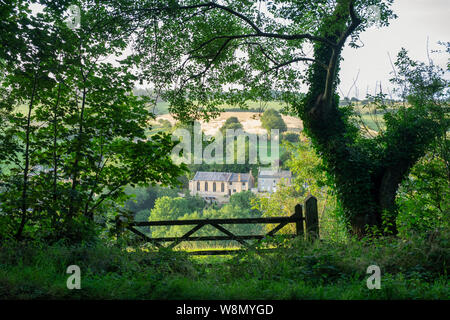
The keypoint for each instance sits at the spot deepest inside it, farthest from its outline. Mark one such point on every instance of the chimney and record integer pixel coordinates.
(239, 177)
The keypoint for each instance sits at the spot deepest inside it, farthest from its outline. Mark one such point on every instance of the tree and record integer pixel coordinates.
(81, 139)
(202, 47)
(291, 137)
(244, 200)
(174, 209)
(144, 198)
(232, 123)
(271, 119)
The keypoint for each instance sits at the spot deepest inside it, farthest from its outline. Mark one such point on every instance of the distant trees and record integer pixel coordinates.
(167, 208)
(145, 198)
(271, 119)
(232, 123)
(240, 206)
(291, 137)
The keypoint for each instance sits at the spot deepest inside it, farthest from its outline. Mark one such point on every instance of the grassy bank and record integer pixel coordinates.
(413, 269)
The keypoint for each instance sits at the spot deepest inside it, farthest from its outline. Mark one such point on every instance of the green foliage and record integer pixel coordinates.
(310, 178)
(188, 207)
(203, 57)
(243, 200)
(414, 269)
(424, 197)
(173, 209)
(271, 119)
(80, 137)
(203, 54)
(144, 198)
(280, 203)
(232, 123)
(43, 270)
(291, 137)
(365, 170)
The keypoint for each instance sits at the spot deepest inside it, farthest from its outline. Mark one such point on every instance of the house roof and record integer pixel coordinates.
(274, 174)
(244, 177)
(221, 176)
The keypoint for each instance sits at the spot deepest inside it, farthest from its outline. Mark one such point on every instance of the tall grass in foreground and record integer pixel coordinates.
(411, 269)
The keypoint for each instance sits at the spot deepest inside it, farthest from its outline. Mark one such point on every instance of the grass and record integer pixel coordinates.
(163, 107)
(373, 122)
(412, 269)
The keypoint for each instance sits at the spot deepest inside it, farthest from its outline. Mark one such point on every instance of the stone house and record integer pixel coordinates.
(219, 186)
(269, 179)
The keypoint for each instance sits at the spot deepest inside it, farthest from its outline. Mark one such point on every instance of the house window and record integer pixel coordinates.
(206, 186)
(198, 186)
(214, 187)
(222, 187)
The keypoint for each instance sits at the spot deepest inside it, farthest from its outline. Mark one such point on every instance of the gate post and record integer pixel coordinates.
(299, 220)
(311, 218)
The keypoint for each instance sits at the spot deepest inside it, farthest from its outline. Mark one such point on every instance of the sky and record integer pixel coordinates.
(417, 20)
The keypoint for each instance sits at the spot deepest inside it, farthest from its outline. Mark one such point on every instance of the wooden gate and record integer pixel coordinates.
(310, 219)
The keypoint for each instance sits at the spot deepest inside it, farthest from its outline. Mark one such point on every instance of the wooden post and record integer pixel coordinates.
(311, 218)
(299, 217)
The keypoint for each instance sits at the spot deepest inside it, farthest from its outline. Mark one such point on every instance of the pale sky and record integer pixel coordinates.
(417, 20)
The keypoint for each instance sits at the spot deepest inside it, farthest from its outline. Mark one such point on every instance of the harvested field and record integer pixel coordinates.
(250, 121)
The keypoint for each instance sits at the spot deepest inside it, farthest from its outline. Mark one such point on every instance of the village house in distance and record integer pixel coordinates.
(219, 186)
(269, 179)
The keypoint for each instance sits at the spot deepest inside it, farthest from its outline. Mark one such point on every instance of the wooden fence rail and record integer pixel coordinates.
(310, 219)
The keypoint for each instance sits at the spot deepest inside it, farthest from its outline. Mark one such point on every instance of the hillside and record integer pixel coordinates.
(249, 120)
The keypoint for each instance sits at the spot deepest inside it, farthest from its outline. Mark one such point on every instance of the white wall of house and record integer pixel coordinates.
(218, 188)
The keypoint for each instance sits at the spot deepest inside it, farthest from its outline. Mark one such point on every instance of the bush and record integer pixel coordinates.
(291, 137)
(424, 197)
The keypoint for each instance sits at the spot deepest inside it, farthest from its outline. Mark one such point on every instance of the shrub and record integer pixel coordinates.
(291, 137)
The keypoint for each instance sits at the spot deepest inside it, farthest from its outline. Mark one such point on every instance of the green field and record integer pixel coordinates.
(163, 107)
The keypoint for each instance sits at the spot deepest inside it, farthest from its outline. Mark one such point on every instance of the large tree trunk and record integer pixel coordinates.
(364, 190)
(386, 191)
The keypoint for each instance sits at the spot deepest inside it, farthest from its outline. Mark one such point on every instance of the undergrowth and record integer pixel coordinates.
(410, 269)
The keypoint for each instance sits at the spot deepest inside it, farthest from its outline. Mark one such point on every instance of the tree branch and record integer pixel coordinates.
(355, 22)
(286, 63)
(258, 31)
(324, 100)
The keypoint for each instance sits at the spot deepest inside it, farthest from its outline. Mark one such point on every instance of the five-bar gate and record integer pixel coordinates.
(310, 220)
